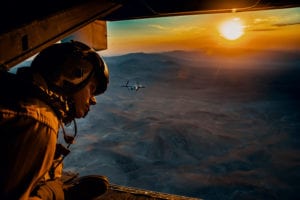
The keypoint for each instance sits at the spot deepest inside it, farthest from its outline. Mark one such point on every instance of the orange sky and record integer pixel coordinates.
(271, 29)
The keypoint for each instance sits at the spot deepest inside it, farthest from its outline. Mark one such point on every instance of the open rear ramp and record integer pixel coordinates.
(117, 192)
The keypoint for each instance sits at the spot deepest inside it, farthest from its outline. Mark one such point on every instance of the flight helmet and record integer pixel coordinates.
(68, 67)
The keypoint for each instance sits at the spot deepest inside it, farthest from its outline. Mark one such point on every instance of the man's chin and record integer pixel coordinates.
(80, 115)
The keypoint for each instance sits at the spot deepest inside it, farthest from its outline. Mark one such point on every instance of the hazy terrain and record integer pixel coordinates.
(204, 126)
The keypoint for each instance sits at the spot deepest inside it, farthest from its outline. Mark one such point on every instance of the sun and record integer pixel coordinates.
(232, 29)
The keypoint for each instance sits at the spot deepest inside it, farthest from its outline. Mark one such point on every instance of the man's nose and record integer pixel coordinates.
(93, 101)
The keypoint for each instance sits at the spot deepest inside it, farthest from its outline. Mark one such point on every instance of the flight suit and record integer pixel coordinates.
(28, 129)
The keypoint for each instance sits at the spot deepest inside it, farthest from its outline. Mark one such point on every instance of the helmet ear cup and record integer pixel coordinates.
(78, 73)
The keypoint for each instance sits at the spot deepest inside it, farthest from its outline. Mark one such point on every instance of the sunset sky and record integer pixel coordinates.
(257, 30)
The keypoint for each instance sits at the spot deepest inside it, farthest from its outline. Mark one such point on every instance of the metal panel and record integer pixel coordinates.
(21, 43)
(94, 34)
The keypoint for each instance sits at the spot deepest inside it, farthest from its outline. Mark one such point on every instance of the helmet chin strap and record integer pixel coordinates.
(61, 150)
(68, 138)
(70, 114)
(63, 106)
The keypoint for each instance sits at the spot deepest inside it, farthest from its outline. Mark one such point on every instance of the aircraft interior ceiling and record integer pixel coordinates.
(29, 26)
(22, 12)
(155, 8)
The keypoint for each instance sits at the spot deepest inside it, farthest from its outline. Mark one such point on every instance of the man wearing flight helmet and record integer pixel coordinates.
(59, 86)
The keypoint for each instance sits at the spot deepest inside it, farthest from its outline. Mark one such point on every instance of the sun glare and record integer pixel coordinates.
(232, 29)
